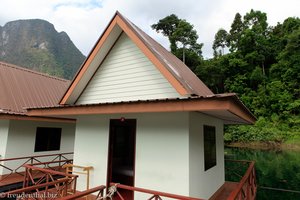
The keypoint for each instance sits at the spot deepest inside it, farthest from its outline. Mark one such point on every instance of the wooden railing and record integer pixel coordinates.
(50, 184)
(53, 161)
(247, 186)
(78, 195)
(243, 171)
(37, 191)
(155, 195)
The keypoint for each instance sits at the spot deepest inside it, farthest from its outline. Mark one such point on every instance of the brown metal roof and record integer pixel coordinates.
(21, 88)
(179, 70)
(223, 106)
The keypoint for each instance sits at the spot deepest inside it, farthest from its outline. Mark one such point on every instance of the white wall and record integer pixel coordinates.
(169, 152)
(21, 139)
(126, 74)
(4, 128)
(203, 184)
(162, 153)
(91, 148)
(161, 150)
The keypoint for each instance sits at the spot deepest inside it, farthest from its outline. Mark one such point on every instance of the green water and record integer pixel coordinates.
(274, 169)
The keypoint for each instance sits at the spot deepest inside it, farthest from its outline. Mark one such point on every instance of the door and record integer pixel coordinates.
(121, 160)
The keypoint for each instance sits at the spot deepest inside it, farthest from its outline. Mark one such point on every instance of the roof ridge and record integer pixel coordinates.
(32, 71)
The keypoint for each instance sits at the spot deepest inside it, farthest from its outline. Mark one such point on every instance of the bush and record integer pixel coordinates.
(264, 130)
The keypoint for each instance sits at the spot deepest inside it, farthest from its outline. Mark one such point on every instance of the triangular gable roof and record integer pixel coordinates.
(21, 88)
(176, 72)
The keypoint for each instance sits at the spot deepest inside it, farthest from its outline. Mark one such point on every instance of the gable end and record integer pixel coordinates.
(126, 74)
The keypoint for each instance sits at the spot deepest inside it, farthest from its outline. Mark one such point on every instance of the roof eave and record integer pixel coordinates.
(209, 104)
(24, 117)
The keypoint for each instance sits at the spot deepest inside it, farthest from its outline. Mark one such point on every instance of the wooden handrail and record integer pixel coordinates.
(51, 162)
(57, 158)
(84, 193)
(241, 161)
(248, 177)
(153, 192)
(37, 156)
(31, 188)
(47, 180)
(49, 171)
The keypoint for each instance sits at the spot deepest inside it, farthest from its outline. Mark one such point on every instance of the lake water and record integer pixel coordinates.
(278, 172)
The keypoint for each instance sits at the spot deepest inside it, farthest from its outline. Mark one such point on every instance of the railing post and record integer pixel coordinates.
(65, 192)
(75, 184)
(60, 160)
(47, 181)
(25, 177)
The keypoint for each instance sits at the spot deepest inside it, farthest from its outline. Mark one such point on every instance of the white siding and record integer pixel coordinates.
(203, 184)
(4, 128)
(126, 74)
(21, 139)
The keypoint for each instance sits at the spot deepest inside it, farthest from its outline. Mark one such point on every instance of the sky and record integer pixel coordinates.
(85, 20)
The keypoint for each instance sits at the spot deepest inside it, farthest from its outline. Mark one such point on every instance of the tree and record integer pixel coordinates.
(221, 41)
(183, 39)
(167, 26)
(287, 69)
(262, 67)
(235, 32)
(186, 37)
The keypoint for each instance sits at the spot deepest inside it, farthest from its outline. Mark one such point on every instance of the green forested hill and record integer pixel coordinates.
(263, 68)
(36, 44)
(261, 64)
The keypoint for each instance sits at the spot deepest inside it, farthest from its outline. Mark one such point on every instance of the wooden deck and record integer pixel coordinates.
(221, 194)
(229, 190)
(224, 191)
(11, 179)
(15, 180)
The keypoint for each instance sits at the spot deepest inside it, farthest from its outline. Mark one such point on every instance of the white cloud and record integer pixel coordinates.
(84, 20)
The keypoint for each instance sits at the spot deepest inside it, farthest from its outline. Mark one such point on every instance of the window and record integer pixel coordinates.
(209, 147)
(47, 139)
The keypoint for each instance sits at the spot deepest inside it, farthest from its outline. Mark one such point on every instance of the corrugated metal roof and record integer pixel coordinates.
(227, 107)
(179, 70)
(214, 96)
(21, 88)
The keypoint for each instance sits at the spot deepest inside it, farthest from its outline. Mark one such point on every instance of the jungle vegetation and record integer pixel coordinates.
(258, 62)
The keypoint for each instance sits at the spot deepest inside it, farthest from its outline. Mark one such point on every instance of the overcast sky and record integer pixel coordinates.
(84, 20)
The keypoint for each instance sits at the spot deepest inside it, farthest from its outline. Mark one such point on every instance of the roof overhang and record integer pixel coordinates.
(226, 107)
(24, 117)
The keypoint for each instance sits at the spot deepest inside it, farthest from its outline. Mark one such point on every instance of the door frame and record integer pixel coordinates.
(114, 122)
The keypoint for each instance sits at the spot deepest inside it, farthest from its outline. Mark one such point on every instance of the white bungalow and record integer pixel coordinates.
(22, 135)
(144, 119)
